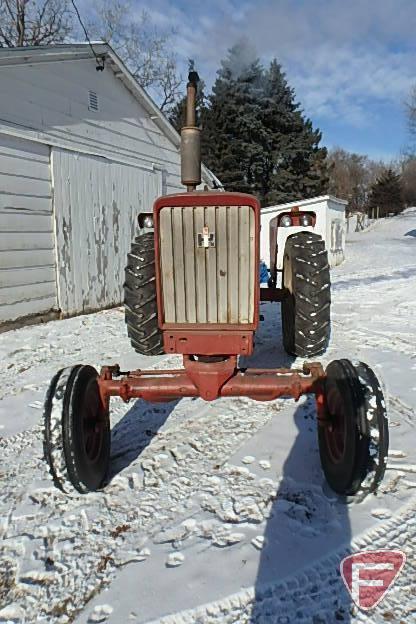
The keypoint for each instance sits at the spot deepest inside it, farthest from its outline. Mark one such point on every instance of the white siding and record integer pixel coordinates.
(108, 165)
(27, 257)
(330, 225)
(50, 102)
(96, 206)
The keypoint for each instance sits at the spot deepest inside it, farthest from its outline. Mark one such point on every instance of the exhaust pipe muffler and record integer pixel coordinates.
(191, 138)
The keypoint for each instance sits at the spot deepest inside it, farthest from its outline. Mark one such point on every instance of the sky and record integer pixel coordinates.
(352, 63)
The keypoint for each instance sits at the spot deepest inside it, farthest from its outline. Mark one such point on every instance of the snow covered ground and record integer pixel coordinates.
(215, 512)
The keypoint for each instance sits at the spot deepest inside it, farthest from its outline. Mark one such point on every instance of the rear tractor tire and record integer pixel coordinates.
(76, 440)
(140, 302)
(306, 304)
(354, 437)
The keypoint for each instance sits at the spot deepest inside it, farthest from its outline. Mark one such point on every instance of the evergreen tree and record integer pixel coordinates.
(232, 142)
(295, 165)
(255, 136)
(386, 194)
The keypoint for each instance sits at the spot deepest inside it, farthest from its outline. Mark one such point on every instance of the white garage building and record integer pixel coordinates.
(330, 224)
(82, 152)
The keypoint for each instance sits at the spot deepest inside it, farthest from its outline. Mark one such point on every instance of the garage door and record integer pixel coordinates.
(27, 257)
(96, 204)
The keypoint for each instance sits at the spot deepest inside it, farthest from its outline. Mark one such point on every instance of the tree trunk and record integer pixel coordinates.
(20, 21)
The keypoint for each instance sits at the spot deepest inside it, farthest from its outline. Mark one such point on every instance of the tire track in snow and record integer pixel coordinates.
(316, 594)
(58, 552)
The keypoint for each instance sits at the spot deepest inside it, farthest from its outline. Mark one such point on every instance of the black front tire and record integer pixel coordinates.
(354, 441)
(306, 305)
(76, 431)
(140, 302)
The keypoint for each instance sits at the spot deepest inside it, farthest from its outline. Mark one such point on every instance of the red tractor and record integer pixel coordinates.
(192, 287)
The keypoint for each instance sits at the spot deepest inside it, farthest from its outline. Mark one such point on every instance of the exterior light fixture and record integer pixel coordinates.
(286, 221)
(305, 220)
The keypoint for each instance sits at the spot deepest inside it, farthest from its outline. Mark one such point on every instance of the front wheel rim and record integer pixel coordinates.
(93, 422)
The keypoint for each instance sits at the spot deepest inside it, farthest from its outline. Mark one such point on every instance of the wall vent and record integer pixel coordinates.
(92, 101)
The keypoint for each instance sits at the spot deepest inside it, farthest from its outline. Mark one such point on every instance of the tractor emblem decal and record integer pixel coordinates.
(207, 238)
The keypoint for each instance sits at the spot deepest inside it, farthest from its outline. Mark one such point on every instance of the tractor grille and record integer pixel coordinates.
(207, 264)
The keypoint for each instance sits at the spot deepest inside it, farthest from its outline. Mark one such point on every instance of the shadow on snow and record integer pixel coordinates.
(135, 431)
(360, 281)
(307, 521)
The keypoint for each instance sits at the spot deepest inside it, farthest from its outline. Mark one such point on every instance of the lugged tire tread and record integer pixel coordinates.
(306, 334)
(140, 297)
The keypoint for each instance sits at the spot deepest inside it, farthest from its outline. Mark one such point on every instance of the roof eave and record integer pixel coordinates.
(84, 51)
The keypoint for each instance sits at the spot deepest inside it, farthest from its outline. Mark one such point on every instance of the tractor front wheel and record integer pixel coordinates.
(307, 300)
(76, 431)
(140, 297)
(353, 436)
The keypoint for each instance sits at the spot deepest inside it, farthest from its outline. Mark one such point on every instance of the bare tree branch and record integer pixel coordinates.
(411, 113)
(351, 176)
(34, 22)
(145, 49)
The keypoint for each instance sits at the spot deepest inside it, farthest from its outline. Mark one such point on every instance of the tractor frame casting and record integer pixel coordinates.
(210, 379)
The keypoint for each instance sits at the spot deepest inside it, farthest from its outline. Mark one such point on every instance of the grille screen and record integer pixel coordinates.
(207, 264)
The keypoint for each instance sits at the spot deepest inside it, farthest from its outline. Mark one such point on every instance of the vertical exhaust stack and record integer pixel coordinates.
(191, 138)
